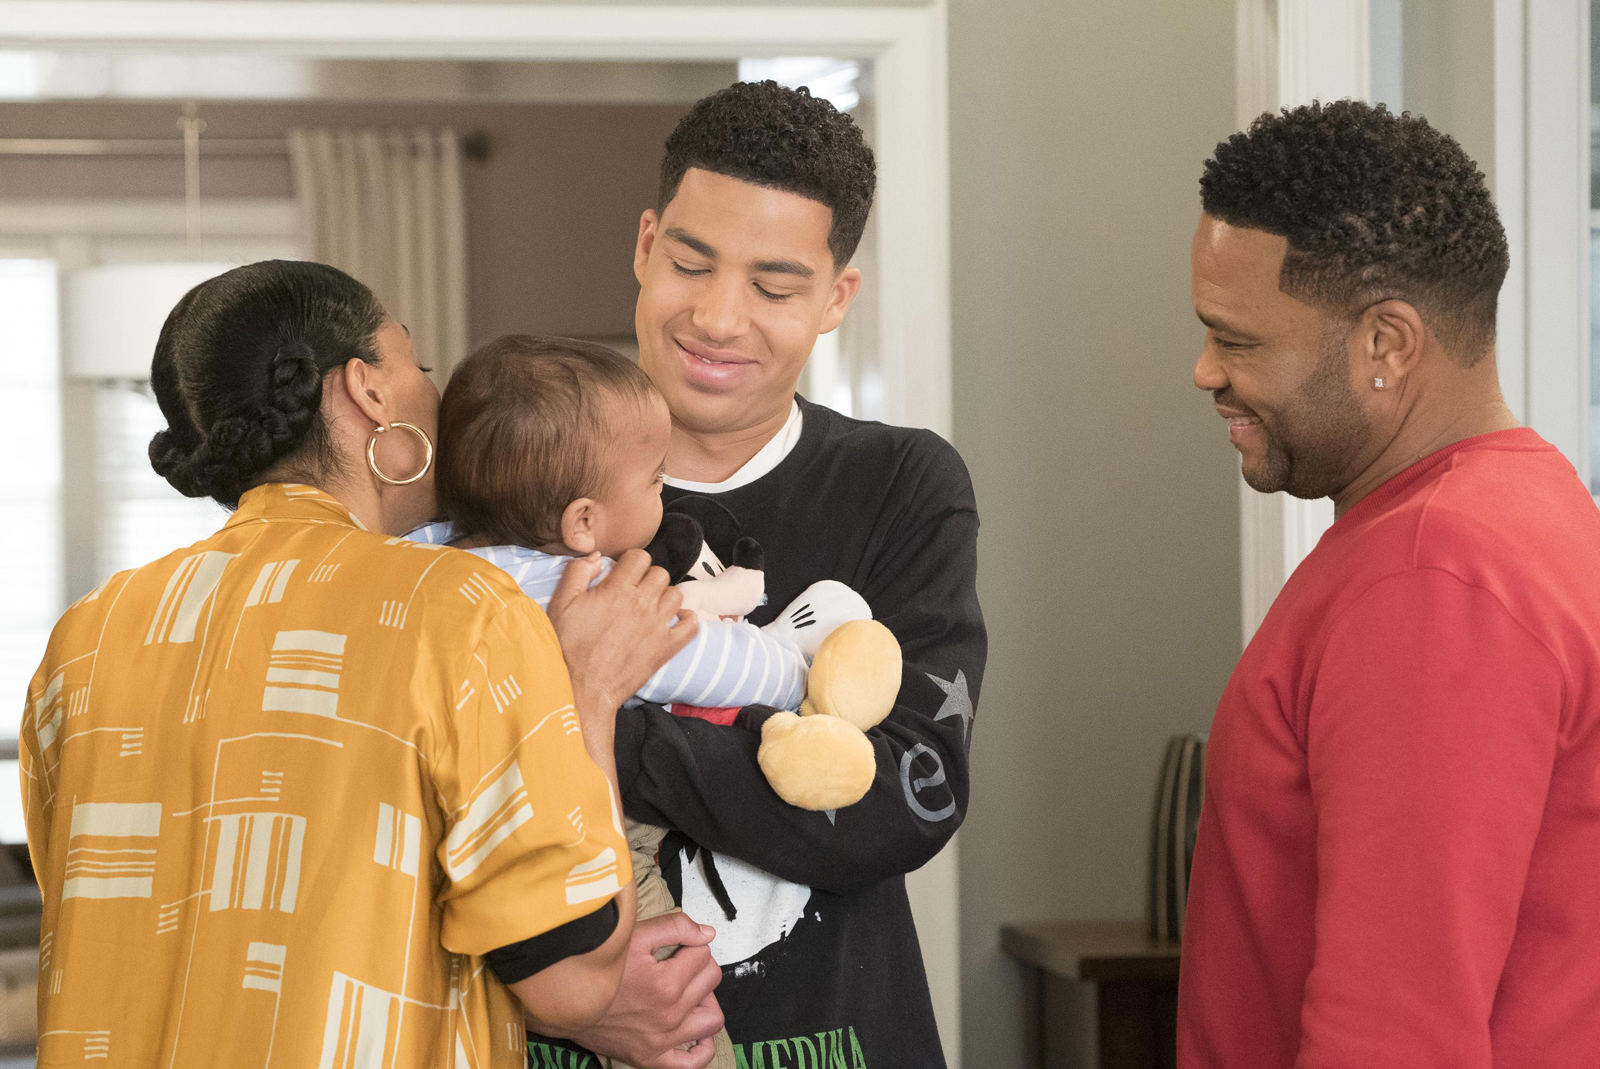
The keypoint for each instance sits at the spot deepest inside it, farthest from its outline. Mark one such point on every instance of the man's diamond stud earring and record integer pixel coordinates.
(1377, 384)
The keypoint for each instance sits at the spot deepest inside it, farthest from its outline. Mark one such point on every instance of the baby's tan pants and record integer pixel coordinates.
(655, 900)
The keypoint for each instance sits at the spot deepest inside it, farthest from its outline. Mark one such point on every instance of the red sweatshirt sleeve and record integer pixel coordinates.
(1430, 736)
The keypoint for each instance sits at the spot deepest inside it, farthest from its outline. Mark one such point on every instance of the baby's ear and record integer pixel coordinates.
(676, 545)
(747, 554)
(577, 526)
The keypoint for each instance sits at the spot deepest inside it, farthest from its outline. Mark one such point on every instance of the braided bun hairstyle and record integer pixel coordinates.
(238, 373)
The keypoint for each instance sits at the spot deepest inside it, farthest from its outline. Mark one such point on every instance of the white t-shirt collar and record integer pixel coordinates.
(767, 458)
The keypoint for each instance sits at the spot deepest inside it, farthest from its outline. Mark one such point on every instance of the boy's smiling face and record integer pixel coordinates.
(736, 282)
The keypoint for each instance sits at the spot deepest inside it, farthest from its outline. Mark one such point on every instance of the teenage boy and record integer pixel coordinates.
(743, 263)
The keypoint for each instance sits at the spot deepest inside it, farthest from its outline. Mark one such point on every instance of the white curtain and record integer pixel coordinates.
(386, 206)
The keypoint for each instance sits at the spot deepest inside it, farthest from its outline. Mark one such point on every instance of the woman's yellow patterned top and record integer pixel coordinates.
(285, 785)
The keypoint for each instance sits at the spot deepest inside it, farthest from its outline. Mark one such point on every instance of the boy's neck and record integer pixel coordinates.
(714, 456)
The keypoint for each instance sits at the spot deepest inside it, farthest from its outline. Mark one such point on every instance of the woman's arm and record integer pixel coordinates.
(574, 992)
(522, 762)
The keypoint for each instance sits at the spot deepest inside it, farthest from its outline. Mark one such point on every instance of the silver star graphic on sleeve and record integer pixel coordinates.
(957, 701)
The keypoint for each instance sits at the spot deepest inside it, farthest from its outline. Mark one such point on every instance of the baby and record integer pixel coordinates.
(551, 449)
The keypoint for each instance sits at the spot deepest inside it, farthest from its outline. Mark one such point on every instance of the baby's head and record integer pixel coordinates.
(554, 444)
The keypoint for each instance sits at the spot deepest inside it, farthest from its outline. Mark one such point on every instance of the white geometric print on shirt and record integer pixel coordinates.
(399, 842)
(392, 614)
(490, 819)
(595, 878)
(303, 673)
(476, 588)
(361, 1025)
(399, 540)
(47, 711)
(132, 742)
(196, 708)
(268, 588)
(263, 967)
(257, 861)
(111, 850)
(505, 692)
(187, 592)
(65, 1046)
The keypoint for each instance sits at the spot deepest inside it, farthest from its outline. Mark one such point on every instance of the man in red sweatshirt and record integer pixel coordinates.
(1398, 862)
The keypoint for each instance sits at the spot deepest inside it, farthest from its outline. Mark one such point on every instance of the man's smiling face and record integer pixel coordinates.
(1279, 370)
(736, 282)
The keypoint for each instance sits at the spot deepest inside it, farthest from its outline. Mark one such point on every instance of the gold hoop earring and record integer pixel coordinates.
(372, 458)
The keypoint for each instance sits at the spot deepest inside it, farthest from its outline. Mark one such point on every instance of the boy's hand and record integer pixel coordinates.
(615, 636)
(661, 1005)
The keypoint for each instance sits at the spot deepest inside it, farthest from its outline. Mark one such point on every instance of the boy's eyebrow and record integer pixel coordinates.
(778, 267)
(783, 267)
(683, 237)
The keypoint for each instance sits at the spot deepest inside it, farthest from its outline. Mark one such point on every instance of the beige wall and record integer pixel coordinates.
(1109, 556)
(1448, 71)
(551, 215)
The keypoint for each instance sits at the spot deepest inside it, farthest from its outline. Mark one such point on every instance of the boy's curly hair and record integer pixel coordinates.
(1374, 206)
(770, 135)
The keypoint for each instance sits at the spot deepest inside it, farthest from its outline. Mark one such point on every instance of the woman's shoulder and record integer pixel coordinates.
(441, 573)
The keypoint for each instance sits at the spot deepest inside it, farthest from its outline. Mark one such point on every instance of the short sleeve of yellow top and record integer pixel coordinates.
(284, 786)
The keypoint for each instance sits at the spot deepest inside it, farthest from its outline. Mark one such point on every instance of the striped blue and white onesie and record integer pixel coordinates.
(728, 664)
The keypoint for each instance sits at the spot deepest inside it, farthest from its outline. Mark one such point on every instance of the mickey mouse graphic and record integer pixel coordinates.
(818, 758)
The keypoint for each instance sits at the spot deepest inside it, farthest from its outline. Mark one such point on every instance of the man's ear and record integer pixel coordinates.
(844, 291)
(578, 522)
(645, 242)
(1391, 336)
(365, 391)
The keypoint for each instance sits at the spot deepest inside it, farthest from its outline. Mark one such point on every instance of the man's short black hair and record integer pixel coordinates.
(1374, 206)
(770, 135)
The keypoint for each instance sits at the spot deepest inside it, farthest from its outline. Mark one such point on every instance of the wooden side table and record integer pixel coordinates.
(1104, 976)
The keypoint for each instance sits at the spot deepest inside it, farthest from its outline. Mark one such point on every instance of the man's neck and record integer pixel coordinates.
(1424, 433)
(713, 456)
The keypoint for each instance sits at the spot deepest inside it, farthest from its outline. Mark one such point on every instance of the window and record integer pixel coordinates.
(30, 493)
(77, 495)
(141, 518)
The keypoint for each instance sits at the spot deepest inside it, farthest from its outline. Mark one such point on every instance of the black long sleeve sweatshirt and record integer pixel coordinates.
(821, 964)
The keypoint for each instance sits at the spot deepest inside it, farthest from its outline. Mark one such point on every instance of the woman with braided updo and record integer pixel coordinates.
(291, 788)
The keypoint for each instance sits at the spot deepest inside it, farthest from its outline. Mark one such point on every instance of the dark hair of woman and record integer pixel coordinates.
(238, 373)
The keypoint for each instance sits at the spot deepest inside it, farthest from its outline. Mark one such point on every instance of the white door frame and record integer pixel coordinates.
(1290, 52)
(1541, 168)
(1540, 171)
(905, 43)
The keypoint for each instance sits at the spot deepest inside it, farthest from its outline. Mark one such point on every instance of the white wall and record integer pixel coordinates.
(1109, 560)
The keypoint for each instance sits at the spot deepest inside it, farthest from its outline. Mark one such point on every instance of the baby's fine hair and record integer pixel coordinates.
(522, 429)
